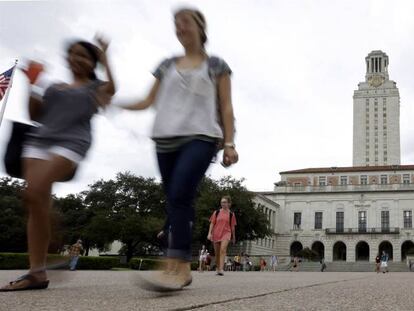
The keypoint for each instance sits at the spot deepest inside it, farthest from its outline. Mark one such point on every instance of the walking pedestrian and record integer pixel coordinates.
(222, 231)
(323, 265)
(377, 263)
(384, 262)
(262, 264)
(208, 261)
(295, 266)
(237, 262)
(273, 262)
(52, 151)
(249, 264)
(74, 253)
(202, 256)
(194, 116)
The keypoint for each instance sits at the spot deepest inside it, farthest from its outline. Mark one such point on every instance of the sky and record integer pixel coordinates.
(295, 66)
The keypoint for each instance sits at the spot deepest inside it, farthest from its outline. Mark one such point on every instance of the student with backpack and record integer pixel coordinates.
(222, 231)
(194, 118)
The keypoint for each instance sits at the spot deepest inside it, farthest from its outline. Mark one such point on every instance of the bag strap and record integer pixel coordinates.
(230, 218)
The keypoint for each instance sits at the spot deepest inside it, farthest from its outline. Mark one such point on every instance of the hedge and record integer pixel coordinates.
(11, 261)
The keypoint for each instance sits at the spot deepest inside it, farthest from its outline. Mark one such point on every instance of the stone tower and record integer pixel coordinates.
(376, 139)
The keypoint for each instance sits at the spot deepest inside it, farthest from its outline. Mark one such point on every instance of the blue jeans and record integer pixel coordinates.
(73, 262)
(181, 172)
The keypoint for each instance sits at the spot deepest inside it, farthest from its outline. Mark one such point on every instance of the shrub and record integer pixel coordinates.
(11, 261)
(194, 265)
(143, 263)
(97, 263)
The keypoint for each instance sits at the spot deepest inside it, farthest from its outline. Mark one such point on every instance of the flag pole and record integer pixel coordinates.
(3, 108)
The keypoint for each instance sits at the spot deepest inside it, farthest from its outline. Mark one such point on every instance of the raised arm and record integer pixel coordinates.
(107, 89)
(33, 71)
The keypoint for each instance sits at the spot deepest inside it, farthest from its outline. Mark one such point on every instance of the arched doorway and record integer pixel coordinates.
(387, 247)
(407, 248)
(362, 251)
(295, 248)
(339, 251)
(319, 248)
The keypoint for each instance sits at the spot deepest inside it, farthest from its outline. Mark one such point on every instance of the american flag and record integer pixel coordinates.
(5, 81)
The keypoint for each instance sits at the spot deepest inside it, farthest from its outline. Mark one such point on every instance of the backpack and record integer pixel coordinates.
(231, 216)
(213, 63)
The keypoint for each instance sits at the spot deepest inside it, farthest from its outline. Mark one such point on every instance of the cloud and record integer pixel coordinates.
(295, 63)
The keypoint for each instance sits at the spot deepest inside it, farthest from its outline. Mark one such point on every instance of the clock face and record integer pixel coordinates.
(376, 80)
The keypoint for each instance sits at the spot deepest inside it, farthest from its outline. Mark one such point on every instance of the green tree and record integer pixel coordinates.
(251, 222)
(74, 220)
(133, 208)
(12, 216)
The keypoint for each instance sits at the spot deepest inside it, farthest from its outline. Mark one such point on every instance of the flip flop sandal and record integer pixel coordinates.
(32, 284)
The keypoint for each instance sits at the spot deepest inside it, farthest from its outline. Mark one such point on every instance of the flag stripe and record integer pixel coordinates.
(5, 81)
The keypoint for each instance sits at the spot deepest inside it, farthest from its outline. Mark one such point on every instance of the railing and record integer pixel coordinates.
(344, 188)
(362, 230)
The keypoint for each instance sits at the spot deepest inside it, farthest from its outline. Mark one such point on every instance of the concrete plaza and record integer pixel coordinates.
(118, 290)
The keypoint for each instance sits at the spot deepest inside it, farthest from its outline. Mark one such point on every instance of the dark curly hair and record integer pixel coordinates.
(93, 51)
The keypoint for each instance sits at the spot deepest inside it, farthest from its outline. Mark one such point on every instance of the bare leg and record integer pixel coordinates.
(217, 253)
(40, 176)
(223, 252)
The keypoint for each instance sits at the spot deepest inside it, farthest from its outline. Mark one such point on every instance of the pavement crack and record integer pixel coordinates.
(202, 305)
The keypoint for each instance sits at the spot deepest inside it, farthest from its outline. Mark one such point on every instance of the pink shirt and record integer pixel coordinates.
(221, 229)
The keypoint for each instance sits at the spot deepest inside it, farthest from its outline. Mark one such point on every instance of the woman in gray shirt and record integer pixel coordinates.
(53, 150)
(194, 115)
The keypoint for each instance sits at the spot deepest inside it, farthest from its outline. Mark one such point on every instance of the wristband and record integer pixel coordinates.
(230, 145)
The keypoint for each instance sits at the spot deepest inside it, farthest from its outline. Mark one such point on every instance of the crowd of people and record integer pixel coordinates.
(239, 262)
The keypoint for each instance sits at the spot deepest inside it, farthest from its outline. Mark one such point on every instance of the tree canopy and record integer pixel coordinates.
(128, 208)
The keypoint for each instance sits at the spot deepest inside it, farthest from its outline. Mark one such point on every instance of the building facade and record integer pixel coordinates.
(345, 213)
(351, 213)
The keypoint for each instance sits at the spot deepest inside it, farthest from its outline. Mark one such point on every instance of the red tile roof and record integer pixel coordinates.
(350, 169)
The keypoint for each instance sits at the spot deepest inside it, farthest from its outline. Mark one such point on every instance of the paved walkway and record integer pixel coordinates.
(111, 290)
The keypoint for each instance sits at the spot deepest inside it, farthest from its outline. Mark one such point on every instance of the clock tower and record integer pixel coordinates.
(376, 139)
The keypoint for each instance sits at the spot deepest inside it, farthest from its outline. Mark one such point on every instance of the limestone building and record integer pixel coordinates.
(350, 213)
